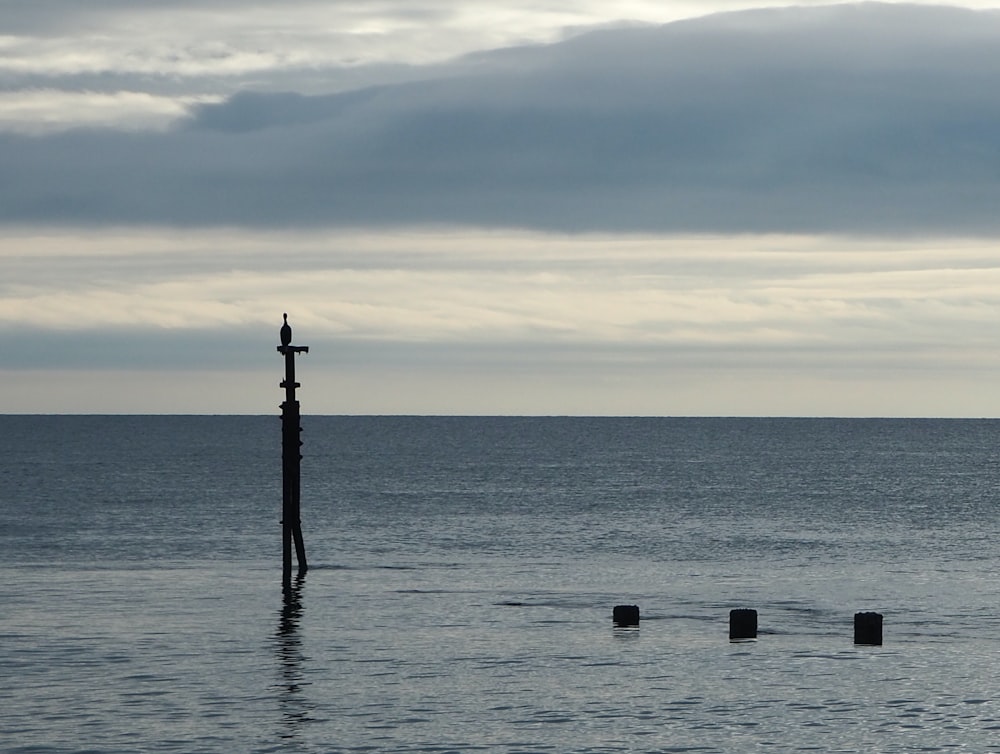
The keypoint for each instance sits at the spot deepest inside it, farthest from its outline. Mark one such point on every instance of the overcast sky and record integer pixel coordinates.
(667, 208)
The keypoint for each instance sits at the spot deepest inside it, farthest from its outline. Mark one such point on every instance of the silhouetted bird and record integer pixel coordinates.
(286, 332)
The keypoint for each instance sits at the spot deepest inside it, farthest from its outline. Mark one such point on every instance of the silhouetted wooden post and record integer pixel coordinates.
(291, 524)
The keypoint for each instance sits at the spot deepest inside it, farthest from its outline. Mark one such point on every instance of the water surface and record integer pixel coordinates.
(463, 575)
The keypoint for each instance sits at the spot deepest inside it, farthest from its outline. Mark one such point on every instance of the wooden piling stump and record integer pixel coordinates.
(626, 615)
(868, 629)
(742, 624)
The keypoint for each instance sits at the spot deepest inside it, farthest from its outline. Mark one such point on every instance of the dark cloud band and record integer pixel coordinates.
(872, 118)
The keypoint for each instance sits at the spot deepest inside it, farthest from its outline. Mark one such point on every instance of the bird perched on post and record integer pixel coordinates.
(286, 332)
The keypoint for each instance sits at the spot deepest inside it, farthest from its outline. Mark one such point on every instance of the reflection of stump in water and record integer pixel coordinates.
(294, 707)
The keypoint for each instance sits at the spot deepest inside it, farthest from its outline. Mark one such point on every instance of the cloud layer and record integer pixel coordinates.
(588, 309)
(871, 118)
(785, 211)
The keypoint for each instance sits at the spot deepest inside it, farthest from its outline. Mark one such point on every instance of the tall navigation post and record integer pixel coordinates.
(291, 524)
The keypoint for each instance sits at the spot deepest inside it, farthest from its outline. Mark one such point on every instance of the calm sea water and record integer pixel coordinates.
(463, 573)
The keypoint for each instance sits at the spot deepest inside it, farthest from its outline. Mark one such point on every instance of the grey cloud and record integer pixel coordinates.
(867, 118)
(154, 349)
(57, 17)
(252, 111)
(157, 349)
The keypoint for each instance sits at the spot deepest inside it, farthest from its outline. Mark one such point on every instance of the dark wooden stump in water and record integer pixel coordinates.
(742, 624)
(626, 615)
(868, 629)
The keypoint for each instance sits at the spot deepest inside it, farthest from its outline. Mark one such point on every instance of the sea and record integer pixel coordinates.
(462, 577)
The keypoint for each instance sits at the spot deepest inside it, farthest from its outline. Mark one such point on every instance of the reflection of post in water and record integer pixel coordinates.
(294, 707)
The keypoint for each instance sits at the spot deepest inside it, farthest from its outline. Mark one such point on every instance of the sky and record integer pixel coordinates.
(713, 208)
